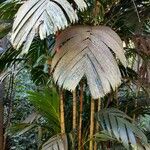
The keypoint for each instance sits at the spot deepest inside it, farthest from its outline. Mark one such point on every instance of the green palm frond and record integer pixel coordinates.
(104, 136)
(38, 60)
(39, 76)
(47, 104)
(28, 124)
(5, 27)
(9, 57)
(21, 128)
(119, 125)
(8, 5)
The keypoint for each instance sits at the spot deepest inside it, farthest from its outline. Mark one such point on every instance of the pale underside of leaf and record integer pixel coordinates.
(118, 126)
(26, 129)
(85, 51)
(57, 142)
(81, 4)
(41, 17)
(31, 118)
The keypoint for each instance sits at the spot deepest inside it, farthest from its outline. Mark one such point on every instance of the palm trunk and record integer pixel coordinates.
(80, 118)
(39, 137)
(97, 125)
(74, 110)
(62, 114)
(1, 117)
(92, 124)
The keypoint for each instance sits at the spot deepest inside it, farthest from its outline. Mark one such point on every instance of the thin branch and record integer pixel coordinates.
(136, 10)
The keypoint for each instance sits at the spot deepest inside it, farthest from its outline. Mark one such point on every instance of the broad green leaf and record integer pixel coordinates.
(46, 103)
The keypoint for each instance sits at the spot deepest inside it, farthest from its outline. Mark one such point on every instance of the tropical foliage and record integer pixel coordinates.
(81, 86)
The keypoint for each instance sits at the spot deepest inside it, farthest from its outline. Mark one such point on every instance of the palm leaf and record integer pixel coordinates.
(31, 118)
(85, 51)
(4, 28)
(58, 142)
(2, 1)
(6, 17)
(43, 17)
(104, 136)
(118, 125)
(47, 104)
(22, 128)
(28, 124)
(8, 5)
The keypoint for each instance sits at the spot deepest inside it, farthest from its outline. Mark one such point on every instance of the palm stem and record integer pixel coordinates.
(92, 123)
(39, 137)
(74, 110)
(80, 117)
(97, 125)
(62, 118)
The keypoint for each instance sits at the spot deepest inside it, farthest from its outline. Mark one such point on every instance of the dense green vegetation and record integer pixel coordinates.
(66, 80)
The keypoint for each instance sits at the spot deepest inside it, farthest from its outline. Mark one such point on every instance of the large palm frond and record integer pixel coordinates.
(118, 125)
(128, 16)
(85, 51)
(47, 104)
(43, 17)
(37, 60)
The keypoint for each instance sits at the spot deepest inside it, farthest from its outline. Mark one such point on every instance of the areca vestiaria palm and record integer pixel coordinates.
(81, 51)
(85, 51)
